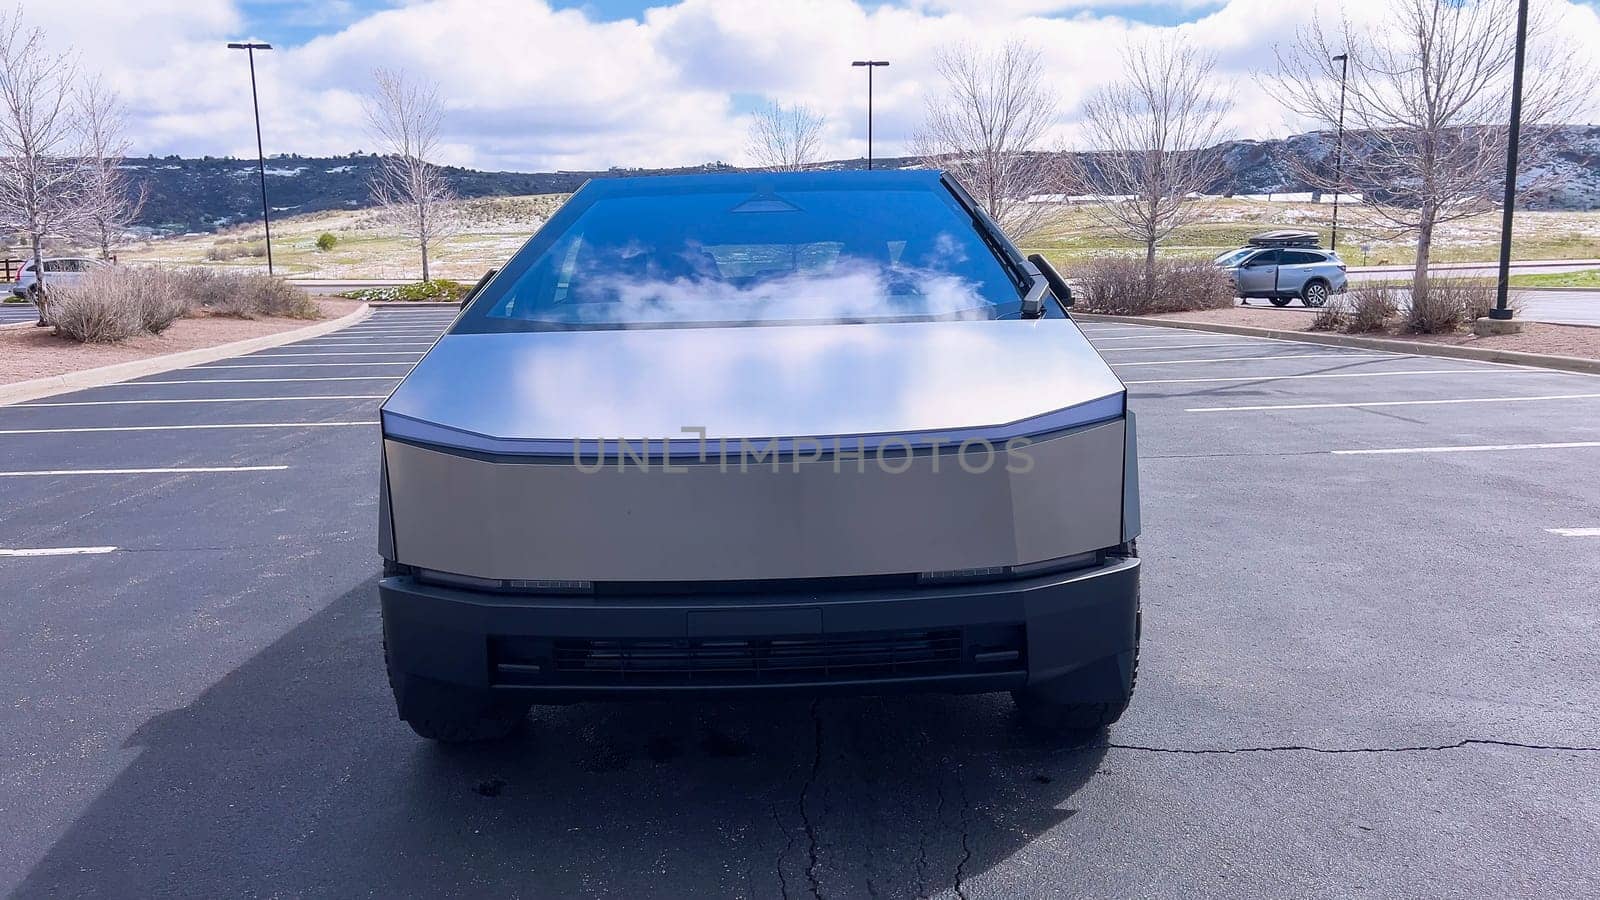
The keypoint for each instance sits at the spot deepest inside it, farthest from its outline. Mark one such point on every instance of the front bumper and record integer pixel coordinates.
(958, 638)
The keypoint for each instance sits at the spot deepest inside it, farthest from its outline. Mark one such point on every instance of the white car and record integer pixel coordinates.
(58, 271)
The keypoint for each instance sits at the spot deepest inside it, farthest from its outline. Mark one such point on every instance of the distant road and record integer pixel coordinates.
(1528, 267)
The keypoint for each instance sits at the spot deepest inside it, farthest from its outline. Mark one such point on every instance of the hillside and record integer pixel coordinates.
(189, 195)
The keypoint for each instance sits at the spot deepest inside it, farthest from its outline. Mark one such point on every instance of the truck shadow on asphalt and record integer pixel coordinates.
(291, 776)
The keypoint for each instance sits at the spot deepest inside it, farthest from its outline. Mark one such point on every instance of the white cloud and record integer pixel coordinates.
(529, 87)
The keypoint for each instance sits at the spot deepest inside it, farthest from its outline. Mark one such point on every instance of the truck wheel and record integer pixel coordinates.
(1314, 294)
(1278, 301)
(450, 714)
(1061, 707)
(1089, 699)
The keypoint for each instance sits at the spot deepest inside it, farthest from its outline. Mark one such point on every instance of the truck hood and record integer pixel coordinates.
(542, 392)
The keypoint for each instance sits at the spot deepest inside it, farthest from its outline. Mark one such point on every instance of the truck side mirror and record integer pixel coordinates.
(1058, 285)
(473, 292)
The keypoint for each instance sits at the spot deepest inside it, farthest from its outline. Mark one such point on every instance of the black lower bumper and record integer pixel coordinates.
(957, 638)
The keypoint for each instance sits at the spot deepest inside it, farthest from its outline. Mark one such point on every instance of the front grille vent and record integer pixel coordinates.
(769, 660)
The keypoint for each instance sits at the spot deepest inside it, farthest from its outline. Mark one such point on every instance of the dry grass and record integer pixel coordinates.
(1119, 286)
(1366, 307)
(1448, 304)
(120, 302)
(1369, 307)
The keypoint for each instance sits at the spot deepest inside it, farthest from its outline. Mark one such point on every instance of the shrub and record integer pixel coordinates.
(115, 303)
(1118, 285)
(438, 289)
(245, 295)
(119, 302)
(1366, 306)
(1450, 303)
(326, 241)
(1372, 305)
(235, 248)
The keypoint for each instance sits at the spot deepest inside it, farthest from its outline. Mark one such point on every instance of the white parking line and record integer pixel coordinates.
(1469, 448)
(337, 353)
(349, 341)
(100, 428)
(1342, 375)
(169, 471)
(401, 362)
(1175, 362)
(256, 380)
(54, 551)
(1366, 404)
(1575, 532)
(210, 365)
(196, 400)
(1176, 347)
(1147, 336)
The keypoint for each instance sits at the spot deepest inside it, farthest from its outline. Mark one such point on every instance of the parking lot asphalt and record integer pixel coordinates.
(1369, 665)
(14, 313)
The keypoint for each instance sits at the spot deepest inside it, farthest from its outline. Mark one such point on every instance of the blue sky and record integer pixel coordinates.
(297, 21)
(585, 84)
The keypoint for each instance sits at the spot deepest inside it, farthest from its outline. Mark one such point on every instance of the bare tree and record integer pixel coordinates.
(786, 138)
(986, 128)
(40, 177)
(404, 118)
(110, 202)
(1427, 107)
(1151, 143)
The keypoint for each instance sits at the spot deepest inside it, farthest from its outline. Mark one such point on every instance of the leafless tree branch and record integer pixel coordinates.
(110, 202)
(786, 138)
(41, 178)
(1151, 144)
(1427, 107)
(987, 126)
(404, 118)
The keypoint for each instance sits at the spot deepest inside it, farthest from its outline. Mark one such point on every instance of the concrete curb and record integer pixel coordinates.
(403, 304)
(1418, 348)
(104, 375)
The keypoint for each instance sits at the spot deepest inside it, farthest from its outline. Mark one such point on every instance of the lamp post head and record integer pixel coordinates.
(248, 45)
(1341, 57)
(870, 62)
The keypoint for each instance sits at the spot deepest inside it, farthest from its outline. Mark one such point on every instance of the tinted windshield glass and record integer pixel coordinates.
(742, 250)
(1234, 258)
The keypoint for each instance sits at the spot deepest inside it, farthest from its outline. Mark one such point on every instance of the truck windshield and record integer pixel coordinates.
(748, 250)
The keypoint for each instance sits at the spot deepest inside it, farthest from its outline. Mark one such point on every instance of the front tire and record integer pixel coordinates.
(1314, 294)
(1278, 301)
(1090, 698)
(451, 714)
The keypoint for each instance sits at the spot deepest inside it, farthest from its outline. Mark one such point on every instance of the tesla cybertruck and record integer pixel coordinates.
(760, 433)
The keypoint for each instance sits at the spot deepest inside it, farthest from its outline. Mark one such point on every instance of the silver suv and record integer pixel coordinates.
(61, 271)
(1280, 274)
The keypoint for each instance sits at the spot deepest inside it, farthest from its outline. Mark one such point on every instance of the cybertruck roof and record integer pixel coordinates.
(756, 306)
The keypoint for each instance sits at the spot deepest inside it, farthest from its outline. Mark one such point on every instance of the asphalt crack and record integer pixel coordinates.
(805, 793)
(1301, 748)
(966, 831)
(788, 844)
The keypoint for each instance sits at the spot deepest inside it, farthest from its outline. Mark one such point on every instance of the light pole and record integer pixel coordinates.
(1501, 310)
(870, 64)
(1338, 150)
(261, 158)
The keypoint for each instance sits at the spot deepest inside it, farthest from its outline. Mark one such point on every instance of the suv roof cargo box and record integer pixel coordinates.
(1287, 237)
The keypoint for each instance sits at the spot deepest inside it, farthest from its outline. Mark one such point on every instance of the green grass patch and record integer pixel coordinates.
(1583, 278)
(439, 289)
